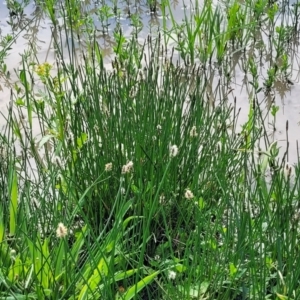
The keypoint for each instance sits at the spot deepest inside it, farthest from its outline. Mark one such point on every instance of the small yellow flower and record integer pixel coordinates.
(43, 70)
(61, 230)
(40, 70)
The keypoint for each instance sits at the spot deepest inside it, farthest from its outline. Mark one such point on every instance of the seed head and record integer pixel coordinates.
(288, 169)
(157, 257)
(127, 168)
(108, 167)
(162, 199)
(188, 194)
(173, 151)
(61, 230)
(193, 132)
(13, 252)
(171, 275)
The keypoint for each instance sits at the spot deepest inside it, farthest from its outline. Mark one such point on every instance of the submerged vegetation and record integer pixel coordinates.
(134, 178)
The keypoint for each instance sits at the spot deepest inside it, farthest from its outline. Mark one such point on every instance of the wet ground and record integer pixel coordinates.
(37, 34)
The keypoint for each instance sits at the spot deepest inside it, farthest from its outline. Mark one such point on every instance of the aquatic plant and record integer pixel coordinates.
(137, 179)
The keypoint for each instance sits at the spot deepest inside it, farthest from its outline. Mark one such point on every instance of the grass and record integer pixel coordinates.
(138, 182)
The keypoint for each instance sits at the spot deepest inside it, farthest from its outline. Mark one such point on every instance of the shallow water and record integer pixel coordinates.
(38, 33)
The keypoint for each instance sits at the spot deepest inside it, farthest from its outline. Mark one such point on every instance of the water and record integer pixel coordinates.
(39, 36)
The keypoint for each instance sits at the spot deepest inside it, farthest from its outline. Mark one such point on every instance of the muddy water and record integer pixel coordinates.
(284, 95)
(35, 33)
(38, 34)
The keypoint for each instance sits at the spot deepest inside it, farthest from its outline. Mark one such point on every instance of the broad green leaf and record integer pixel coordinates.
(110, 247)
(127, 220)
(5, 257)
(4, 281)
(195, 291)
(282, 297)
(124, 210)
(2, 226)
(232, 269)
(94, 281)
(23, 77)
(18, 297)
(13, 205)
(132, 291)
(78, 243)
(46, 273)
(20, 102)
(16, 270)
(180, 268)
(123, 275)
(81, 140)
(201, 203)
(40, 259)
